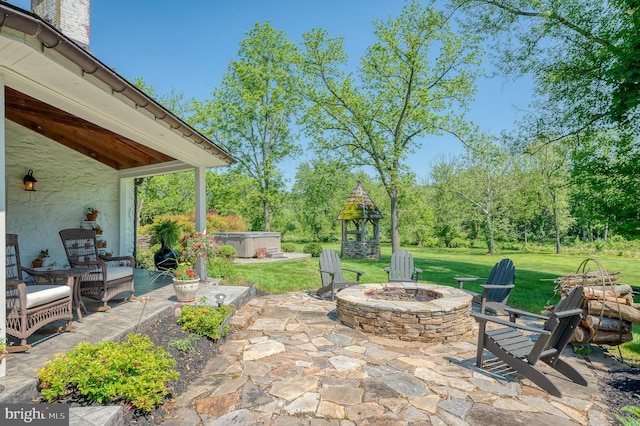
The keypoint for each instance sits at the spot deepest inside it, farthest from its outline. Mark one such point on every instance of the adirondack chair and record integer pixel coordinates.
(402, 268)
(31, 305)
(331, 274)
(495, 292)
(521, 352)
(108, 276)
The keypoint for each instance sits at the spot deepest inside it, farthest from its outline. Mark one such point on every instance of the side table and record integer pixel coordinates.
(77, 274)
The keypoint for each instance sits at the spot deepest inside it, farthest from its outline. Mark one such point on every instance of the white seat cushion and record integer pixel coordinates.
(44, 293)
(116, 272)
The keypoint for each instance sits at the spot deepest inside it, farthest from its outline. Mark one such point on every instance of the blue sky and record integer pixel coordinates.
(187, 46)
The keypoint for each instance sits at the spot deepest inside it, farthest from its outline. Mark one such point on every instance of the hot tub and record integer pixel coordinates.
(246, 243)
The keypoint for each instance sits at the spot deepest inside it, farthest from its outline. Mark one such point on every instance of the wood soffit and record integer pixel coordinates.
(80, 135)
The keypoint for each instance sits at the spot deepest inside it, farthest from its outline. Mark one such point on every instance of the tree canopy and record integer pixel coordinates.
(414, 81)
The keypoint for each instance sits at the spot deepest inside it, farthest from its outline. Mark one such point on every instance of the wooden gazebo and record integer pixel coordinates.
(360, 226)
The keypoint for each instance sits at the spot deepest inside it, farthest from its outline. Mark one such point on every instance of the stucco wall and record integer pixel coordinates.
(68, 183)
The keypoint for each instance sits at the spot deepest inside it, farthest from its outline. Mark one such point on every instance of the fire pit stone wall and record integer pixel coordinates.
(445, 318)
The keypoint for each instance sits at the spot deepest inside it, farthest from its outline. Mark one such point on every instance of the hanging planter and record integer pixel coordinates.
(92, 214)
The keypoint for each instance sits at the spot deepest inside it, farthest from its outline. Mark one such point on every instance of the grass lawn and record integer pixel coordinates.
(535, 273)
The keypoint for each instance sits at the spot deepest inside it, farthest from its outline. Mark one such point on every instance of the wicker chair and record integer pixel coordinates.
(109, 276)
(31, 305)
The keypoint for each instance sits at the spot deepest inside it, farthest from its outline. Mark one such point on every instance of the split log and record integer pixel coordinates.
(584, 335)
(611, 337)
(627, 299)
(594, 322)
(613, 310)
(615, 291)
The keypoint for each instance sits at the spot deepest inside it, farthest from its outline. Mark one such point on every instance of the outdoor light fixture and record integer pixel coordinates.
(220, 299)
(29, 181)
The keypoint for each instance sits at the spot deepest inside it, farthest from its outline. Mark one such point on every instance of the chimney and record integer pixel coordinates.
(71, 17)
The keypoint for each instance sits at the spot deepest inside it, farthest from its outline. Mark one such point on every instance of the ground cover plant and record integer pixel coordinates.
(133, 372)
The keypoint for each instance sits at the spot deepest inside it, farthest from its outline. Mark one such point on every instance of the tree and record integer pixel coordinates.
(412, 82)
(322, 188)
(551, 162)
(582, 54)
(481, 180)
(251, 114)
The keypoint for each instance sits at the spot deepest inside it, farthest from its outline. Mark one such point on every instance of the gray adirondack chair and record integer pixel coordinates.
(331, 274)
(497, 289)
(402, 268)
(521, 352)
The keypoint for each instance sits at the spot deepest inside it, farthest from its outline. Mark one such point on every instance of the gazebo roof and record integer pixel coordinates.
(359, 205)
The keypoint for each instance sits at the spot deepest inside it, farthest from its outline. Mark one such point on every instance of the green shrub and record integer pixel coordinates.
(134, 372)
(288, 247)
(228, 252)
(221, 267)
(458, 242)
(205, 320)
(313, 248)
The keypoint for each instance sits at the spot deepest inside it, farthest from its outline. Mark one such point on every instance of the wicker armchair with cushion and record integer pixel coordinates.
(31, 305)
(108, 276)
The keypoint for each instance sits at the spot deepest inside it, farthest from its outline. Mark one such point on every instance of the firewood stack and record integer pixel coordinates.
(609, 308)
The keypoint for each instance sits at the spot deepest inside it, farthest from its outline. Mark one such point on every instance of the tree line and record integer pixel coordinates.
(569, 170)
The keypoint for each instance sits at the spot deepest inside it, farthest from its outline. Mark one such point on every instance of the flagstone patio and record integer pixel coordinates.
(289, 361)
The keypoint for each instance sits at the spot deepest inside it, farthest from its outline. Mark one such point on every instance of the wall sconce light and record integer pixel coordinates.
(220, 299)
(29, 181)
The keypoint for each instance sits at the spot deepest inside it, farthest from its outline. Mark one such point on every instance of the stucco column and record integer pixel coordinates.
(127, 221)
(3, 227)
(201, 216)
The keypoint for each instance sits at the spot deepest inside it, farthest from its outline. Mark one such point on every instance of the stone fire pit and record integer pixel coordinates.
(395, 310)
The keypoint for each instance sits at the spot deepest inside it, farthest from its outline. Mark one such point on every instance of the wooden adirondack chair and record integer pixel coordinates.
(402, 268)
(30, 304)
(521, 352)
(331, 274)
(108, 276)
(495, 292)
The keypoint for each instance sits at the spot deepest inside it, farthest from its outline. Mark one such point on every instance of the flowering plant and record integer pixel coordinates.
(183, 272)
(198, 245)
(92, 210)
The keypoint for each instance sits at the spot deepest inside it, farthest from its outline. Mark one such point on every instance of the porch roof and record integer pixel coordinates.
(56, 88)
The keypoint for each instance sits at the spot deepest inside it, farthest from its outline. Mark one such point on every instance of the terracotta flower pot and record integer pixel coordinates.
(91, 217)
(186, 289)
(37, 263)
(3, 355)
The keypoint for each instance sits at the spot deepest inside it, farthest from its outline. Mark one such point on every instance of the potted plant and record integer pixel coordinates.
(167, 233)
(185, 282)
(101, 244)
(98, 229)
(38, 261)
(261, 252)
(92, 214)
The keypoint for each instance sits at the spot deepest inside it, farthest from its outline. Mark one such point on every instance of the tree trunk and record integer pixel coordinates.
(491, 243)
(267, 217)
(556, 221)
(395, 223)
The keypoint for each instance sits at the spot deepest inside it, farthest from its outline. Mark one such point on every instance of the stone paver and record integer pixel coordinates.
(296, 364)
